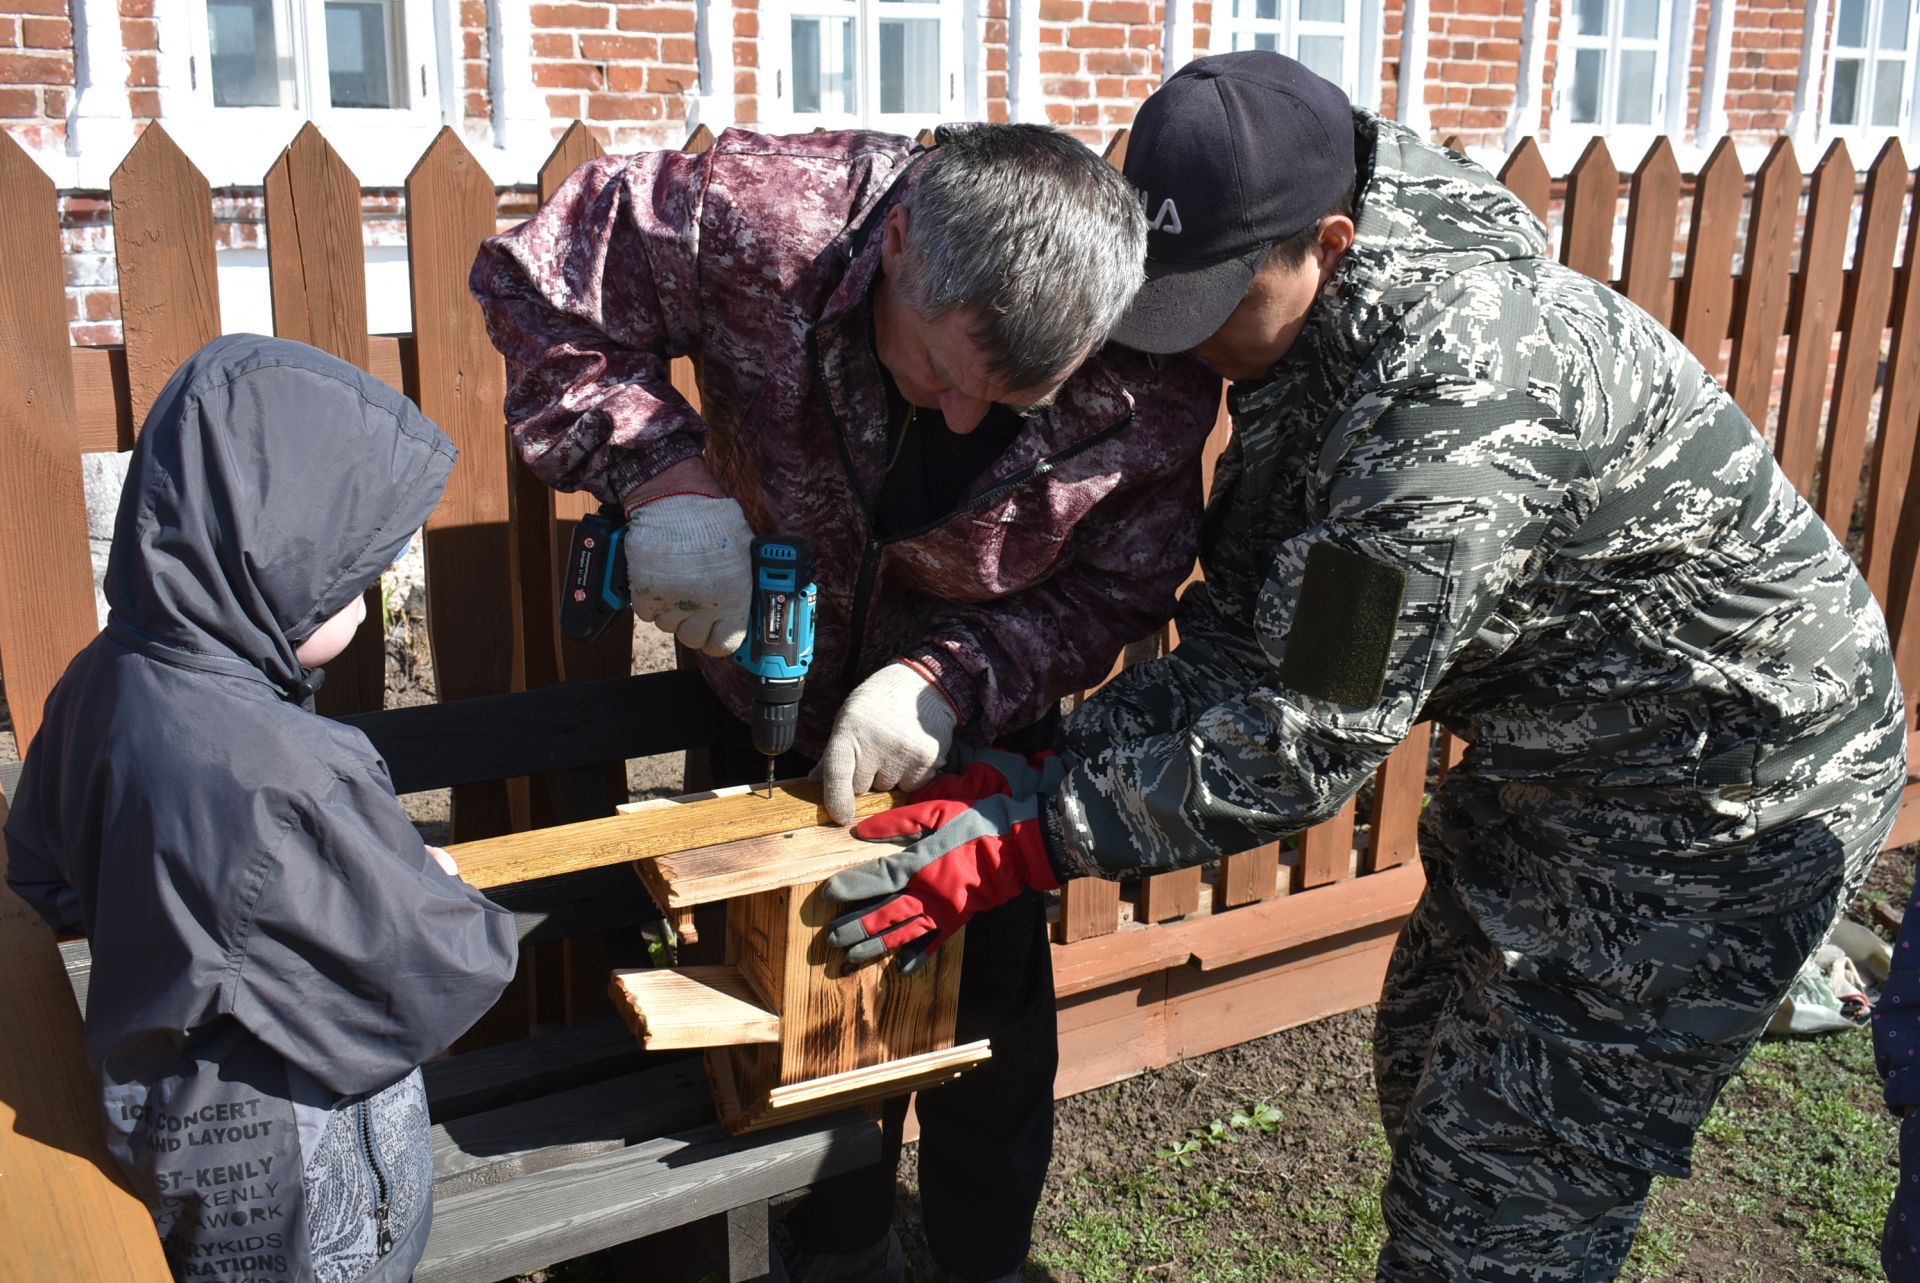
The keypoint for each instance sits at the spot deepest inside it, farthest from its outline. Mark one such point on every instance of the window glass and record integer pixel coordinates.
(825, 65)
(361, 59)
(1850, 27)
(1323, 10)
(1893, 25)
(1591, 17)
(1584, 100)
(1886, 92)
(1634, 105)
(909, 64)
(1256, 40)
(1324, 55)
(1640, 20)
(1846, 90)
(243, 36)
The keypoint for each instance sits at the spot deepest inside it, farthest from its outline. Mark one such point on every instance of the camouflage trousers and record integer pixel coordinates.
(1528, 1108)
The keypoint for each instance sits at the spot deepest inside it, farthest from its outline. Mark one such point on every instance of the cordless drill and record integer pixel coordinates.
(779, 645)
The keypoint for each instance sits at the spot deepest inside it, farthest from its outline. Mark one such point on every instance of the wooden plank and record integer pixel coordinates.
(649, 832)
(1766, 283)
(1399, 796)
(1593, 194)
(68, 1211)
(1653, 211)
(1208, 1012)
(556, 728)
(1326, 849)
(583, 1207)
(1906, 827)
(473, 616)
(1249, 877)
(163, 246)
(1110, 959)
(47, 614)
(1703, 300)
(1304, 917)
(493, 1077)
(1862, 334)
(1814, 312)
(1089, 907)
(749, 866)
(489, 1148)
(317, 267)
(102, 404)
(670, 1008)
(1179, 894)
(1527, 177)
(873, 1082)
(1899, 413)
(1112, 1035)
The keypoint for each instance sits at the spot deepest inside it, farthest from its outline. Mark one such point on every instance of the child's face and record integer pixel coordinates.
(332, 637)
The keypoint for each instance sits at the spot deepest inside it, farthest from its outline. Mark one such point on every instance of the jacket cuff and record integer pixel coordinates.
(1067, 860)
(961, 687)
(628, 469)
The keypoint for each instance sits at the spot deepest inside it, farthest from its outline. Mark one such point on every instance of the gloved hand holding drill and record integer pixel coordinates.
(976, 843)
(689, 558)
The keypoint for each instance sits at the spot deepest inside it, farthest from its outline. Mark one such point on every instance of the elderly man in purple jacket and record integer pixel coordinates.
(900, 356)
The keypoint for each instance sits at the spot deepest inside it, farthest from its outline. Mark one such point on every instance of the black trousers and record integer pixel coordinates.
(985, 1138)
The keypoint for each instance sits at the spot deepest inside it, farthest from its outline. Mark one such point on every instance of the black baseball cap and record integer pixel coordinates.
(1232, 155)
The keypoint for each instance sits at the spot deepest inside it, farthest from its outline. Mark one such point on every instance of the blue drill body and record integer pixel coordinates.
(779, 645)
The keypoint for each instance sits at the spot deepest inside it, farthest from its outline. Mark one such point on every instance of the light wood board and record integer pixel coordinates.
(670, 1008)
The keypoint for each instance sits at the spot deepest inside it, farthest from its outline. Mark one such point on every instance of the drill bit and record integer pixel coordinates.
(769, 779)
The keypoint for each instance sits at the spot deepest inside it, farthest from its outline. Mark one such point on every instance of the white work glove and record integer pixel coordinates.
(689, 566)
(893, 732)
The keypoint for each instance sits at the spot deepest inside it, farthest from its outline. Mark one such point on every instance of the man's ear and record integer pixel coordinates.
(1336, 238)
(893, 239)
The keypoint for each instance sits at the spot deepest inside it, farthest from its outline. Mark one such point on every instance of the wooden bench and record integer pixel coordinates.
(572, 1141)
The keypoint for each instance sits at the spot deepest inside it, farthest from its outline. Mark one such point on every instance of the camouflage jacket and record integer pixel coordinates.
(757, 258)
(1487, 490)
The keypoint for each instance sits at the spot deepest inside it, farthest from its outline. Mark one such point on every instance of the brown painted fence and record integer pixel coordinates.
(1173, 965)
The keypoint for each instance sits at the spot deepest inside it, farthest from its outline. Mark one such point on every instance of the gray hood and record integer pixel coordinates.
(269, 489)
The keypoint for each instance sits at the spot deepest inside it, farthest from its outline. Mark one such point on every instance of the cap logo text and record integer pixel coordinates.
(1167, 220)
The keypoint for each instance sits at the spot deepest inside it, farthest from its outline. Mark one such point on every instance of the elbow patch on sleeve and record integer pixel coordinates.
(1341, 639)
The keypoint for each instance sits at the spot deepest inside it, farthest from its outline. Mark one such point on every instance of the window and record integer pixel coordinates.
(1613, 66)
(1869, 81)
(324, 60)
(884, 64)
(1322, 34)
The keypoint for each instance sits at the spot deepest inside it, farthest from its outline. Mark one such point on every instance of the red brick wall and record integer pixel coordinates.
(746, 61)
(1098, 60)
(471, 67)
(1473, 59)
(627, 68)
(1393, 25)
(1765, 65)
(994, 56)
(36, 71)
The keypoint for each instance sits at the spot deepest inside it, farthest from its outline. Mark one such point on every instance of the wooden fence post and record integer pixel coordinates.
(1526, 176)
(1813, 312)
(1703, 300)
(163, 246)
(1593, 195)
(1893, 454)
(1653, 207)
(1765, 278)
(317, 266)
(43, 507)
(472, 573)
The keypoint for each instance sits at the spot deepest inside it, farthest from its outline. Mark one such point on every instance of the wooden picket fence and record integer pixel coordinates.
(1147, 972)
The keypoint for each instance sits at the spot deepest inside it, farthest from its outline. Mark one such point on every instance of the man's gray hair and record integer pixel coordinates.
(1033, 236)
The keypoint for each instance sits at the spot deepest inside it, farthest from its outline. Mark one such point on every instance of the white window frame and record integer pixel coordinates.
(1623, 140)
(1358, 34)
(1865, 132)
(777, 80)
(238, 144)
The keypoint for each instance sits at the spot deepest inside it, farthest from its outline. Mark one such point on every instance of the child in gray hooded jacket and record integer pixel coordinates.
(275, 952)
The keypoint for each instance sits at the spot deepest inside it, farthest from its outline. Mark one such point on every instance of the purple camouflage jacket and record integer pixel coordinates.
(757, 258)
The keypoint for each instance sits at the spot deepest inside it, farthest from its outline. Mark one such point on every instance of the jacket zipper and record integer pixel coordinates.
(383, 1228)
(870, 559)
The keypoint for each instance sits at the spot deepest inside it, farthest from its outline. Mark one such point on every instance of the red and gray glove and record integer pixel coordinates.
(964, 858)
(974, 773)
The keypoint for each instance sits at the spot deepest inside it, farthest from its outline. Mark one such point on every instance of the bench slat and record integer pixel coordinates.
(496, 1076)
(486, 1235)
(482, 1150)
